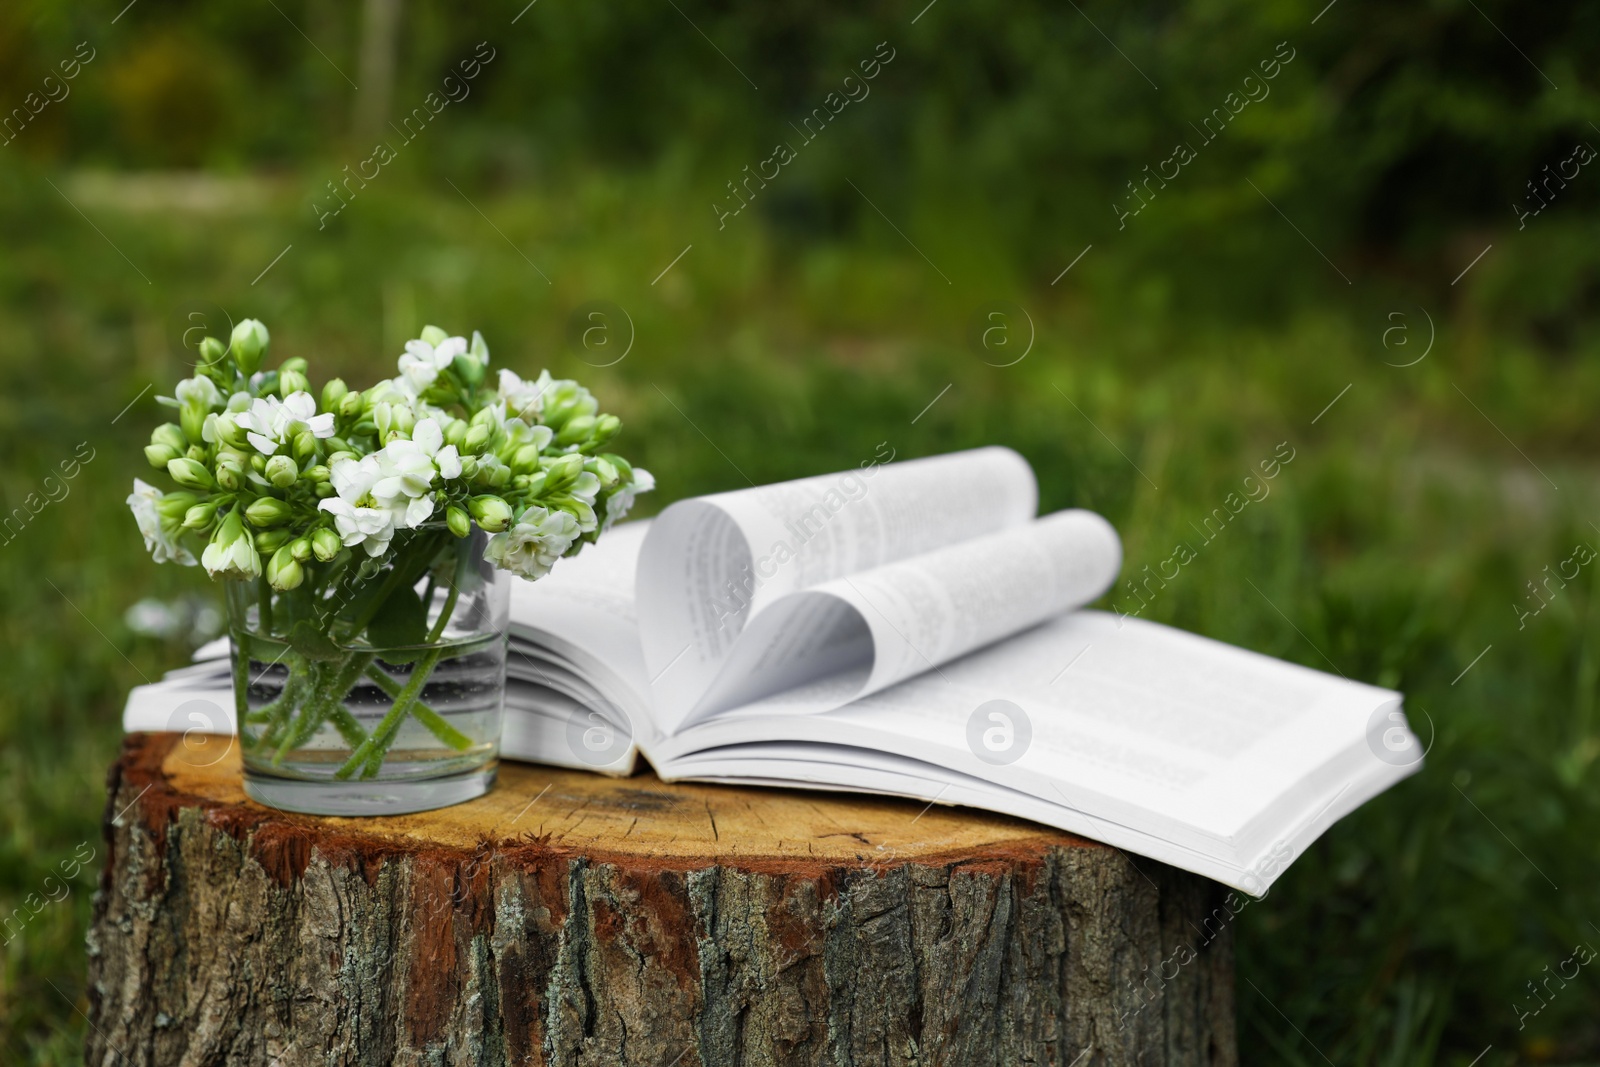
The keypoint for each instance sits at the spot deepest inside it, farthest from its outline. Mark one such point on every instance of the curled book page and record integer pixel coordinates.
(841, 585)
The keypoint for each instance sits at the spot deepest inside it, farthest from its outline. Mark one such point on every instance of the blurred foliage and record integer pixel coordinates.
(1393, 136)
(196, 144)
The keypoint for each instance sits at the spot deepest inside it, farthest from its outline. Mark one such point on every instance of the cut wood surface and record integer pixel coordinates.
(568, 918)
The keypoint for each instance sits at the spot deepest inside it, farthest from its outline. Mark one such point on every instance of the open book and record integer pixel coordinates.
(914, 629)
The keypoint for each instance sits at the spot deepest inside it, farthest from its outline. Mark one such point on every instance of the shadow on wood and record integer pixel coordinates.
(567, 918)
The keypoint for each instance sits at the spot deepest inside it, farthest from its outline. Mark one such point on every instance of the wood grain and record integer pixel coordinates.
(568, 918)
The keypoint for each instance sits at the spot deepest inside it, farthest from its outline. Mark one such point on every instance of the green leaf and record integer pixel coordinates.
(312, 643)
(356, 605)
(402, 620)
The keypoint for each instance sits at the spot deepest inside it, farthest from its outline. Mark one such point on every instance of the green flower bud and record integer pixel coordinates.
(603, 469)
(556, 415)
(351, 405)
(605, 428)
(229, 432)
(535, 484)
(476, 438)
(292, 381)
(281, 471)
(170, 435)
(212, 351)
(174, 506)
(305, 445)
(297, 364)
(483, 417)
(525, 459)
(300, 548)
(193, 418)
(196, 453)
(283, 570)
(333, 393)
(271, 540)
(317, 473)
(433, 335)
(576, 430)
(199, 517)
(562, 471)
(230, 478)
(404, 420)
(190, 474)
(455, 433)
(382, 417)
(458, 521)
(335, 445)
(258, 463)
(500, 476)
(468, 368)
(469, 467)
(324, 490)
(268, 511)
(160, 455)
(325, 543)
(492, 513)
(231, 552)
(250, 340)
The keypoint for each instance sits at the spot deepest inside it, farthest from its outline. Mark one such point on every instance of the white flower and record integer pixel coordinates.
(404, 483)
(532, 546)
(231, 553)
(586, 488)
(620, 502)
(199, 391)
(428, 437)
(271, 422)
(524, 398)
(422, 362)
(372, 528)
(163, 546)
(582, 494)
(354, 516)
(352, 479)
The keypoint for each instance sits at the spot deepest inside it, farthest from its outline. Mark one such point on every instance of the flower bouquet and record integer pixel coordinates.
(364, 541)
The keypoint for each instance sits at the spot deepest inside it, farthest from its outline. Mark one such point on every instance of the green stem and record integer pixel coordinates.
(264, 599)
(348, 727)
(435, 722)
(328, 693)
(277, 712)
(445, 612)
(403, 569)
(427, 594)
(389, 727)
(241, 681)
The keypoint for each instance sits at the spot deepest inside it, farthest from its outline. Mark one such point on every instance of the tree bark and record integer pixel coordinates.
(568, 918)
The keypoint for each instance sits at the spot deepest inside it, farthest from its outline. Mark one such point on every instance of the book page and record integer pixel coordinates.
(861, 633)
(713, 564)
(1207, 745)
(583, 612)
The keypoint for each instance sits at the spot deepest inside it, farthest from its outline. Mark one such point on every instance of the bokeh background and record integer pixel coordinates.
(1401, 225)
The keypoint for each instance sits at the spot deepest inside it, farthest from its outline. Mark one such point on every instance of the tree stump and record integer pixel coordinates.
(568, 918)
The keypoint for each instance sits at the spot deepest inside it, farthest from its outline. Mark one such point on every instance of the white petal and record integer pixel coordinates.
(300, 405)
(264, 445)
(321, 425)
(427, 436)
(449, 462)
(418, 510)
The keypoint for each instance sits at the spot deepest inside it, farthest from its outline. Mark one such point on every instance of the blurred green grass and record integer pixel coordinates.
(1392, 548)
